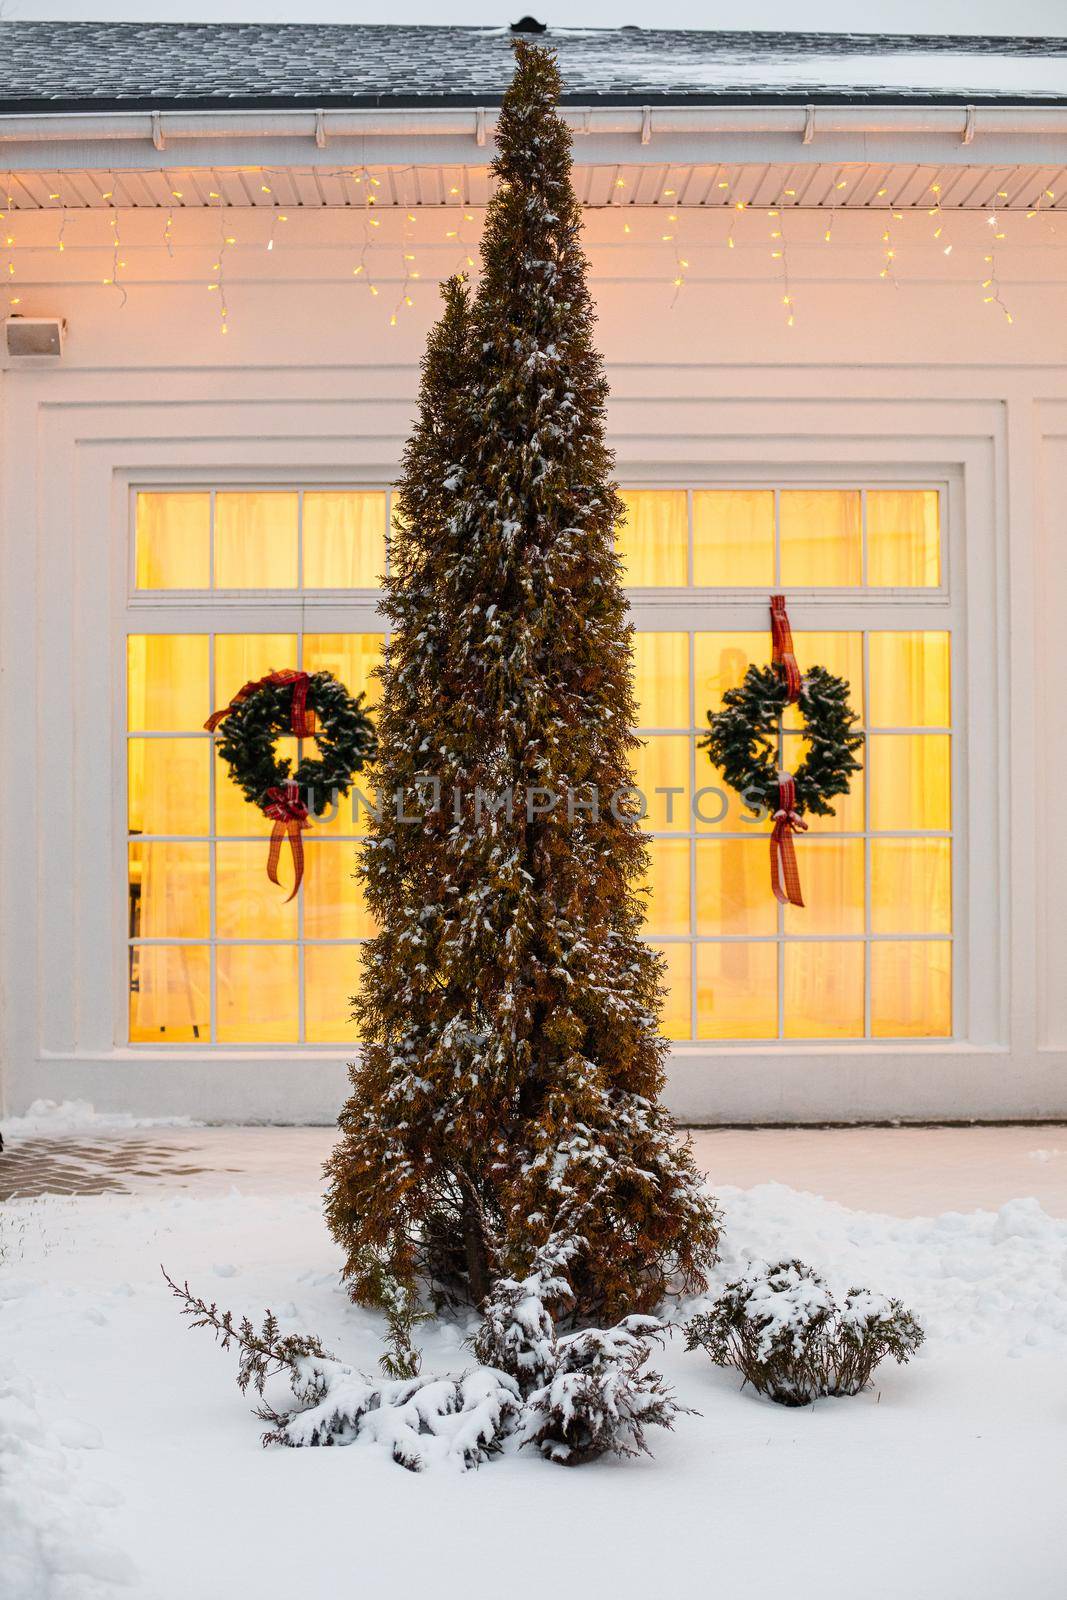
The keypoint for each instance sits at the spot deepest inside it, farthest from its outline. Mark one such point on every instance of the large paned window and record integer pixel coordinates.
(215, 955)
(215, 952)
(870, 954)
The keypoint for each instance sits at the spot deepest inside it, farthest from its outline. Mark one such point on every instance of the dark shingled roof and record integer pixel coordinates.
(53, 66)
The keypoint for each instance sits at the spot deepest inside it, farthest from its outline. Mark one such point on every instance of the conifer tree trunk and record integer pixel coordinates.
(512, 1066)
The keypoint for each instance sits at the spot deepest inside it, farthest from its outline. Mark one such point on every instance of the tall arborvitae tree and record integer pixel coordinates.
(509, 1081)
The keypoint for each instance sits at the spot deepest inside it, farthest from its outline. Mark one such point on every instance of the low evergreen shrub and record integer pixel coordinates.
(601, 1396)
(782, 1329)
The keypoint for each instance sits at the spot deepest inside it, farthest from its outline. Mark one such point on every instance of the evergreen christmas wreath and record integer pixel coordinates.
(743, 739)
(308, 705)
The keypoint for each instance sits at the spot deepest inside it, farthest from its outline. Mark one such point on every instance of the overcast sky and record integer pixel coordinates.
(839, 16)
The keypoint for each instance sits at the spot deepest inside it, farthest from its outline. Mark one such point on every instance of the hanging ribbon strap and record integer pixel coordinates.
(782, 653)
(290, 815)
(785, 878)
(303, 720)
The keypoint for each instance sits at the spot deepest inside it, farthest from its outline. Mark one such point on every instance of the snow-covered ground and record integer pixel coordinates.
(131, 1466)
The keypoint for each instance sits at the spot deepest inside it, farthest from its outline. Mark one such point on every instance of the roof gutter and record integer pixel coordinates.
(800, 133)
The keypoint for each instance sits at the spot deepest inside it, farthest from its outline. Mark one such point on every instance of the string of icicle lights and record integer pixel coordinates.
(378, 263)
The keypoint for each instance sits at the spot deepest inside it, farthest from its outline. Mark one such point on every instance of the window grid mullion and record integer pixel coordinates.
(865, 709)
(213, 976)
(694, 988)
(301, 1020)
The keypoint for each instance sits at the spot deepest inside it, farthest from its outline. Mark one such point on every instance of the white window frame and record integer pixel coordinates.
(654, 609)
(818, 609)
(212, 612)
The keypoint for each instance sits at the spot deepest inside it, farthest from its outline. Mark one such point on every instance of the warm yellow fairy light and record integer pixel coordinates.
(992, 283)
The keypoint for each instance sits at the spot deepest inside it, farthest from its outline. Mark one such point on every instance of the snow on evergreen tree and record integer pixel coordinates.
(511, 1065)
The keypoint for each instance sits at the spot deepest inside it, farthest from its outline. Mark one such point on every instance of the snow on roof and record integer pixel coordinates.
(65, 66)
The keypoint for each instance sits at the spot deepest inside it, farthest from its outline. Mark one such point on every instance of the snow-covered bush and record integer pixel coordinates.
(322, 1401)
(518, 1333)
(420, 1421)
(587, 1393)
(402, 1358)
(785, 1333)
(600, 1397)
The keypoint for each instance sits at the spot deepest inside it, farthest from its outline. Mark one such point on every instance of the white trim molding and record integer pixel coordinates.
(75, 441)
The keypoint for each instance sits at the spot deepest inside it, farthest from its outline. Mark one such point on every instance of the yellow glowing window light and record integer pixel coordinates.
(870, 956)
(215, 951)
(259, 539)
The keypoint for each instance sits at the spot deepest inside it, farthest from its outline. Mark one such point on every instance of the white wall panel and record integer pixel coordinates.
(312, 380)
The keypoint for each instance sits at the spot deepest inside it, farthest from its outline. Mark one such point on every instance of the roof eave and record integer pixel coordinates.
(611, 129)
(491, 100)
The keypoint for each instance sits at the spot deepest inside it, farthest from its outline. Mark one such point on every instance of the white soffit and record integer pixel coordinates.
(838, 185)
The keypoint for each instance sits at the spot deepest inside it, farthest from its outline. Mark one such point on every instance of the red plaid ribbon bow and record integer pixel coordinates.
(303, 720)
(785, 877)
(782, 653)
(290, 815)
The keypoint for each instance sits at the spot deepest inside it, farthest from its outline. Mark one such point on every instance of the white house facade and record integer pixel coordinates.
(832, 284)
